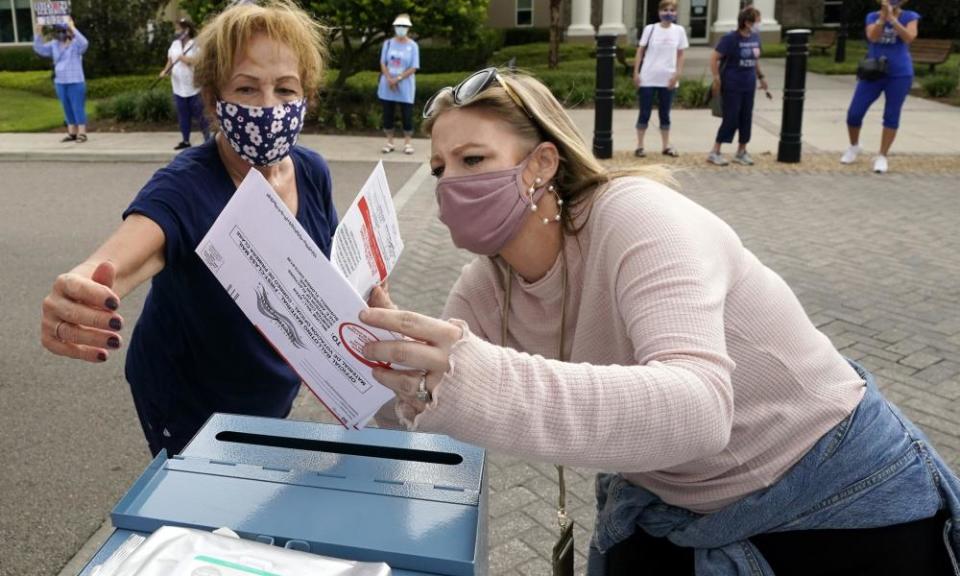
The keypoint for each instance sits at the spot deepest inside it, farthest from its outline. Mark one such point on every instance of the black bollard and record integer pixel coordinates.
(793, 92)
(841, 52)
(603, 100)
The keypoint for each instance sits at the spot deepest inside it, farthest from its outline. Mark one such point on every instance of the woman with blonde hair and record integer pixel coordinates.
(193, 352)
(609, 322)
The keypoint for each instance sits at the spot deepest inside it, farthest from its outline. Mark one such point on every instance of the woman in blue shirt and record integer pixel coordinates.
(193, 352)
(890, 31)
(67, 54)
(735, 64)
(399, 61)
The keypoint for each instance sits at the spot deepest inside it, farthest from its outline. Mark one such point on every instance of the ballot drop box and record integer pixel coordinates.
(415, 501)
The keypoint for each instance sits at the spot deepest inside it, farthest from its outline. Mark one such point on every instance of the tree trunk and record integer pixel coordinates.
(553, 58)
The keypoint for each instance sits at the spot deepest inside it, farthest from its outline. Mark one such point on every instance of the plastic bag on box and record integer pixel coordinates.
(174, 551)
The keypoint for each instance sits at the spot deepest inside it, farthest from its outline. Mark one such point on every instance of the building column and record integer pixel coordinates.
(580, 19)
(727, 12)
(612, 19)
(768, 19)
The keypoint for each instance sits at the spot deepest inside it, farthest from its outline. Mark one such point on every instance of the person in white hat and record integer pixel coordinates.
(399, 61)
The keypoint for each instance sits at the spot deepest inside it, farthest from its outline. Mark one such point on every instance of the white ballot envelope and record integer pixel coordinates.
(299, 300)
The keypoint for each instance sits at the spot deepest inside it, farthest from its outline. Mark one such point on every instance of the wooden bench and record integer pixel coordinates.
(930, 51)
(823, 40)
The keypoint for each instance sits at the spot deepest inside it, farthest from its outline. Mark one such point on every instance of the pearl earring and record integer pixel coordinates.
(531, 190)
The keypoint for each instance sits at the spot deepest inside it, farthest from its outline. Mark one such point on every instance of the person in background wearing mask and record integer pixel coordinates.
(193, 352)
(890, 31)
(610, 322)
(399, 61)
(67, 51)
(186, 96)
(660, 50)
(735, 64)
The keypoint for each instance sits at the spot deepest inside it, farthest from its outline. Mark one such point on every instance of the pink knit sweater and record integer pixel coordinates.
(693, 369)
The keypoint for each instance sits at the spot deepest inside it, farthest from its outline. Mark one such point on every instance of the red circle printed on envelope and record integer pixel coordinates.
(354, 337)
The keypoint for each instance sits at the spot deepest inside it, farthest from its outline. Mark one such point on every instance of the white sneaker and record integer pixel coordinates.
(717, 159)
(850, 156)
(880, 164)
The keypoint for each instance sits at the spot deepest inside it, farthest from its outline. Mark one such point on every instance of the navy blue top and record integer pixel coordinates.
(193, 352)
(892, 46)
(739, 55)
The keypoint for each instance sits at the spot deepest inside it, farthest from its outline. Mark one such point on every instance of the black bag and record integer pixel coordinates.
(871, 69)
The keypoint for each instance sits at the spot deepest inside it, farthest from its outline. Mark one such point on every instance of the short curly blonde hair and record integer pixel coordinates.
(222, 41)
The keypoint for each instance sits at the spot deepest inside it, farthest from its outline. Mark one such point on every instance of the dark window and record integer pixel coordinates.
(832, 11)
(524, 12)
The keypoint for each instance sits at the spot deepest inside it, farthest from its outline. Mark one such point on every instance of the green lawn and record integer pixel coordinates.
(27, 112)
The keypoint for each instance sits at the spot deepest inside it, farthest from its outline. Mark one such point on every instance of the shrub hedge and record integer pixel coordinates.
(154, 105)
(22, 58)
(39, 82)
(941, 84)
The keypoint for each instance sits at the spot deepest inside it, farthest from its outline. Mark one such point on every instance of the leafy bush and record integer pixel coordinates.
(941, 84)
(533, 55)
(142, 106)
(693, 93)
(155, 106)
(21, 58)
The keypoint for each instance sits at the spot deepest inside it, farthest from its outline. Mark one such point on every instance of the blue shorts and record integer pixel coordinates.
(894, 91)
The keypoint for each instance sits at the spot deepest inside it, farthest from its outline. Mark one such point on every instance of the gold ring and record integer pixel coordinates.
(56, 332)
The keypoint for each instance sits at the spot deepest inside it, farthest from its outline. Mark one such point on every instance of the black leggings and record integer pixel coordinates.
(904, 549)
(406, 111)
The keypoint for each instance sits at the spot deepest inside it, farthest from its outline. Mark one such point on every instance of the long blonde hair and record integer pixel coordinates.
(223, 40)
(579, 175)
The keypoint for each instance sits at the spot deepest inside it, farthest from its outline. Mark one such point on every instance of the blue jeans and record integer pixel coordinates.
(190, 108)
(737, 116)
(894, 92)
(875, 468)
(664, 96)
(73, 98)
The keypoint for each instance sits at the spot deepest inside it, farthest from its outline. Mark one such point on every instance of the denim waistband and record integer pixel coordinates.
(875, 468)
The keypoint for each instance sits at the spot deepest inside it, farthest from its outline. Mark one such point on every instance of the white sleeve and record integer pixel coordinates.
(645, 35)
(684, 42)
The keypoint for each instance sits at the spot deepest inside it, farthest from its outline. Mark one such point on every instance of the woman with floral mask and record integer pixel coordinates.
(66, 51)
(656, 72)
(192, 351)
(889, 32)
(611, 323)
(399, 61)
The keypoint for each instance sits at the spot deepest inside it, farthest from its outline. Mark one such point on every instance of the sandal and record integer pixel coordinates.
(69, 138)
(639, 153)
(388, 148)
(671, 151)
(408, 149)
(81, 138)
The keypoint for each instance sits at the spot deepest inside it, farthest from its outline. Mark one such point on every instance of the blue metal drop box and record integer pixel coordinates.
(415, 501)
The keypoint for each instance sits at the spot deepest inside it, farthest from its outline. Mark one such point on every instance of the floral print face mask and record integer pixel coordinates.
(262, 135)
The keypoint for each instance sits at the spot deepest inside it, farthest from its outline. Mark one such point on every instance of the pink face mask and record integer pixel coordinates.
(485, 211)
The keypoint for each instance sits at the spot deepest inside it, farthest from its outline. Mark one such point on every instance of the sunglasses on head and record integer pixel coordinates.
(472, 86)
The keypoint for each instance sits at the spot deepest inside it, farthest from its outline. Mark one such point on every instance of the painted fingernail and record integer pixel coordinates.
(112, 303)
(113, 342)
(116, 324)
(102, 356)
